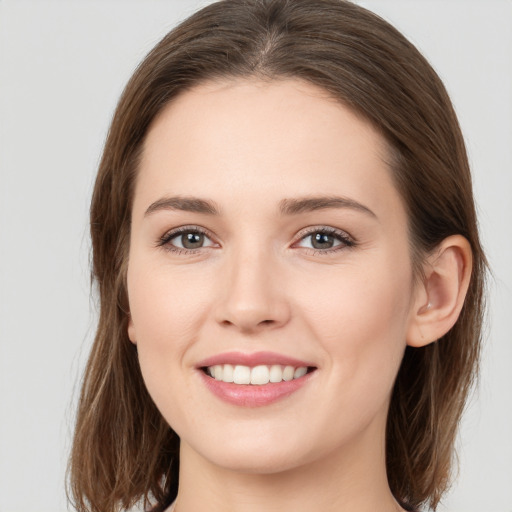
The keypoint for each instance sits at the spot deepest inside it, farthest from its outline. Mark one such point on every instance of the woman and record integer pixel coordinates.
(290, 275)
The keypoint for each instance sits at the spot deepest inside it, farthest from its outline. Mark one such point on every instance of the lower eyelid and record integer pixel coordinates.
(345, 240)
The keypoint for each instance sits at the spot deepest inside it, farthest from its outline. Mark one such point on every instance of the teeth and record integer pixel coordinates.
(260, 375)
(288, 373)
(276, 373)
(227, 374)
(300, 372)
(242, 375)
(217, 372)
(257, 375)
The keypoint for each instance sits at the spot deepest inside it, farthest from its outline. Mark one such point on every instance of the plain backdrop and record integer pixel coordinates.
(63, 65)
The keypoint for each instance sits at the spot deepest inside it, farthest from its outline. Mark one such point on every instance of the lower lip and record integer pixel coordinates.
(246, 395)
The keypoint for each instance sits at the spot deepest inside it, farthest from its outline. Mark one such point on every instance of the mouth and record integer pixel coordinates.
(259, 375)
(254, 380)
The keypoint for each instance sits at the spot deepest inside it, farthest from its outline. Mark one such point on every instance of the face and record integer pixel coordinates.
(268, 247)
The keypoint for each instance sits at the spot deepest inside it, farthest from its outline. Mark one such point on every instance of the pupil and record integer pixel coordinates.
(192, 240)
(322, 241)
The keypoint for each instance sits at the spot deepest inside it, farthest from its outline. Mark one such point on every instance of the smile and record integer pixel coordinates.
(256, 376)
(254, 380)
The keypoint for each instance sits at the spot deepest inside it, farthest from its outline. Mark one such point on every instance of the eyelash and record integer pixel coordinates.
(346, 241)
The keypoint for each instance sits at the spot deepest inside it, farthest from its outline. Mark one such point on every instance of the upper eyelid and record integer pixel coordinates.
(186, 229)
(303, 233)
(326, 229)
(174, 232)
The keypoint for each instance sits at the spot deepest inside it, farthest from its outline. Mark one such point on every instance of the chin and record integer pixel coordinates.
(251, 455)
(257, 463)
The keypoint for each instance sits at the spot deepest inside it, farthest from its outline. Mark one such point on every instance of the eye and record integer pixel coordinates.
(185, 239)
(190, 239)
(325, 239)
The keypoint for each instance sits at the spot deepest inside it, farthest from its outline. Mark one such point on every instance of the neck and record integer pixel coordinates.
(351, 478)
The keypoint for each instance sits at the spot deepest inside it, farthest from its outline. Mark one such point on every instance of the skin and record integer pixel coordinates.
(258, 285)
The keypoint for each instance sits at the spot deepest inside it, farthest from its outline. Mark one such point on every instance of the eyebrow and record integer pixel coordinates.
(309, 204)
(286, 206)
(186, 204)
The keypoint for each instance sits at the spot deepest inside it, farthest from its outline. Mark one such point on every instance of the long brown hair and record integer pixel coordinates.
(123, 450)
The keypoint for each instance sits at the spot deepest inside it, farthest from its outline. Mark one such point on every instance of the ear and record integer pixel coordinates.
(131, 330)
(440, 296)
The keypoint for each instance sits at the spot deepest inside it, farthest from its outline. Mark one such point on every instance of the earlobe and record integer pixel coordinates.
(439, 302)
(131, 331)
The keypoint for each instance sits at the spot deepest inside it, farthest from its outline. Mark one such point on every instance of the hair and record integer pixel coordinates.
(123, 451)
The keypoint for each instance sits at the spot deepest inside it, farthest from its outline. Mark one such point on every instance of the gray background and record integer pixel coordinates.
(62, 67)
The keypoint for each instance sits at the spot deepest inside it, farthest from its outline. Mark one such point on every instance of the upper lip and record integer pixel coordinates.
(252, 359)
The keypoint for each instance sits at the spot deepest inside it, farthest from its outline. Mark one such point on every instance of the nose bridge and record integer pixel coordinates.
(253, 296)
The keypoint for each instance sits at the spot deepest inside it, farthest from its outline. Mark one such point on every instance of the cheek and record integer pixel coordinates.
(166, 315)
(359, 321)
(164, 305)
(361, 318)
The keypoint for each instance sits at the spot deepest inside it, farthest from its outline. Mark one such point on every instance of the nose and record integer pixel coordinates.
(253, 294)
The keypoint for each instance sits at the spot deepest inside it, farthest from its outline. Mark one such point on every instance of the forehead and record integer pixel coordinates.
(277, 139)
